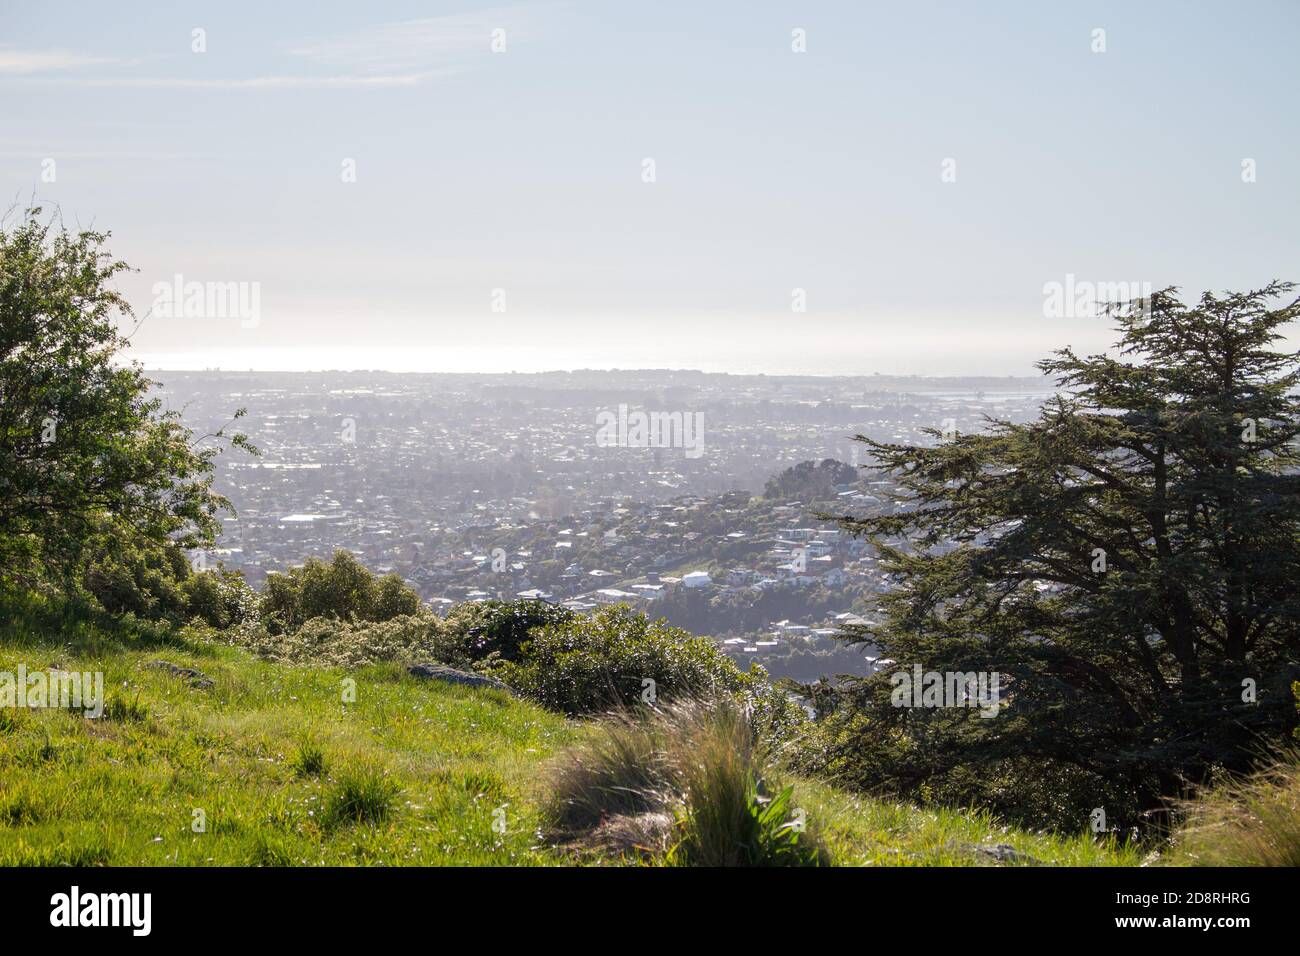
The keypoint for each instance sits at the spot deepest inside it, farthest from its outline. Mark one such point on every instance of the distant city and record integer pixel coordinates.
(474, 487)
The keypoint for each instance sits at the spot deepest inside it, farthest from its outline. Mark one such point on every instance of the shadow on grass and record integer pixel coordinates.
(78, 625)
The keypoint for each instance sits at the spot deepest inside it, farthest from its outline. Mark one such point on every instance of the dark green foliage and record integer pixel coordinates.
(341, 590)
(221, 598)
(394, 598)
(810, 480)
(133, 585)
(619, 657)
(157, 583)
(500, 628)
(1126, 563)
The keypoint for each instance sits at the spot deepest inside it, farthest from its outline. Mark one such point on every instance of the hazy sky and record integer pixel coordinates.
(524, 171)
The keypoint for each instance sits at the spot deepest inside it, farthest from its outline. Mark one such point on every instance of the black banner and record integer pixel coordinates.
(332, 905)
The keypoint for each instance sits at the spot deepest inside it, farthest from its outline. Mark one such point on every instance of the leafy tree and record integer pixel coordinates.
(395, 598)
(86, 455)
(343, 589)
(810, 480)
(1126, 563)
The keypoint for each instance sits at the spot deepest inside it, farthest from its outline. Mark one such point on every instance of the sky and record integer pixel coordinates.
(783, 187)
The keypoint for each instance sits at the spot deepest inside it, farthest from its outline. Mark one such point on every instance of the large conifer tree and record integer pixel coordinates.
(1127, 563)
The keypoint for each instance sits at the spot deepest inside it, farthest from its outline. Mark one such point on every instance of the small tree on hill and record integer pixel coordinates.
(87, 457)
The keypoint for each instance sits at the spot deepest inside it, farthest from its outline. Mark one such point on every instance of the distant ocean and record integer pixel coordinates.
(507, 358)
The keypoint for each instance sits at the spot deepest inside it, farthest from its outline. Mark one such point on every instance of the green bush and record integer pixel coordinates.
(394, 598)
(341, 590)
(333, 643)
(619, 657)
(221, 598)
(498, 629)
(146, 582)
(159, 584)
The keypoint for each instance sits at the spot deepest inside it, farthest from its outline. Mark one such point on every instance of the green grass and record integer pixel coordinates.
(271, 766)
(884, 833)
(408, 774)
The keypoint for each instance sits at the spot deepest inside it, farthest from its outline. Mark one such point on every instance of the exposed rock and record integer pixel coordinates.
(188, 674)
(1001, 852)
(453, 676)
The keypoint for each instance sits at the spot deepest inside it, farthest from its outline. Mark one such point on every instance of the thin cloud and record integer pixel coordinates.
(252, 82)
(397, 54)
(26, 62)
(445, 42)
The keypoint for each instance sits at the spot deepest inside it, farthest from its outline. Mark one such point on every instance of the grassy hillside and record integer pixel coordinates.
(287, 773)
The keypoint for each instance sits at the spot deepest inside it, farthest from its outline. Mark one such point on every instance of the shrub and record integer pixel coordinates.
(394, 598)
(158, 584)
(333, 643)
(221, 598)
(584, 664)
(701, 764)
(144, 581)
(341, 590)
(500, 628)
(117, 590)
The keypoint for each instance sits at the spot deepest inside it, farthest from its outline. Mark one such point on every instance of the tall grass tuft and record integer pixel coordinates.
(363, 795)
(125, 711)
(308, 759)
(696, 764)
(1251, 822)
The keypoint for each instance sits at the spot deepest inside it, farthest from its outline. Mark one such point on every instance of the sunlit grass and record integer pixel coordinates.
(280, 765)
(408, 773)
(1252, 822)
